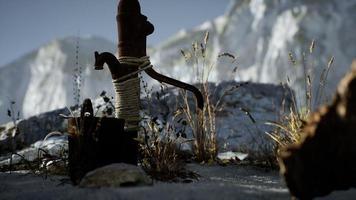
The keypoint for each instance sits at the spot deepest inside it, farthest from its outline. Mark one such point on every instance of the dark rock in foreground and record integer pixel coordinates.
(325, 159)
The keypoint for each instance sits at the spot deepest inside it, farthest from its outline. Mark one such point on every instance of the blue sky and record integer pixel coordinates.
(27, 24)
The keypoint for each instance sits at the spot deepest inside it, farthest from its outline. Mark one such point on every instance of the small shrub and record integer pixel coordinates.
(159, 152)
(158, 138)
(203, 122)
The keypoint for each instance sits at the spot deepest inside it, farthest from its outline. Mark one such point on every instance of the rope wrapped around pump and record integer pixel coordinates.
(127, 93)
(127, 87)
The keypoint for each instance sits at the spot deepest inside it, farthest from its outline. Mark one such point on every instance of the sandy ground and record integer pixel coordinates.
(216, 182)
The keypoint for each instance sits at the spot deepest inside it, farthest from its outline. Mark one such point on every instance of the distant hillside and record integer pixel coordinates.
(43, 79)
(262, 33)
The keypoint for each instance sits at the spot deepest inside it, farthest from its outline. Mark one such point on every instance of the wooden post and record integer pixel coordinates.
(95, 142)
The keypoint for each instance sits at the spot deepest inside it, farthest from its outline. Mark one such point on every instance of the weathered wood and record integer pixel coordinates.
(95, 142)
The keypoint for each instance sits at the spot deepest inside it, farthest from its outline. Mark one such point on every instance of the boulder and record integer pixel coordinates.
(116, 175)
(31, 130)
(325, 159)
(240, 120)
(52, 148)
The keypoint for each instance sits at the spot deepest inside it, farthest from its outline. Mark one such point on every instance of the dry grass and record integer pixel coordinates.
(160, 158)
(203, 122)
(288, 129)
(158, 143)
(158, 139)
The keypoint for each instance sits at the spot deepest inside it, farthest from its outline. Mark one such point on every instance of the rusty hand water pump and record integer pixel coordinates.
(94, 141)
(133, 29)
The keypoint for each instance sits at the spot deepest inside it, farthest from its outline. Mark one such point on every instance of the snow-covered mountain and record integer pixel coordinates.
(43, 79)
(261, 33)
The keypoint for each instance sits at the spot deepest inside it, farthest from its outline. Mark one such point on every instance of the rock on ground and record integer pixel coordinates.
(116, 175)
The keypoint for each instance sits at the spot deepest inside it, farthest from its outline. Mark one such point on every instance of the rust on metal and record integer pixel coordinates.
(133, 29)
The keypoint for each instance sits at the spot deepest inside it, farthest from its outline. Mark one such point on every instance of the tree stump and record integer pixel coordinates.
(95, 142)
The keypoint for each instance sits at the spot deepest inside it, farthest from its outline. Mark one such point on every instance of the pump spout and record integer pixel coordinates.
(161, 78)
